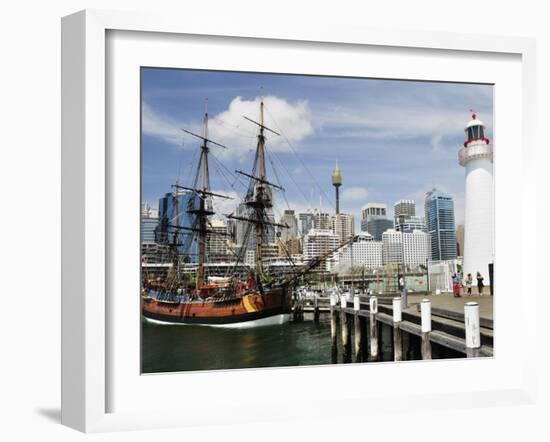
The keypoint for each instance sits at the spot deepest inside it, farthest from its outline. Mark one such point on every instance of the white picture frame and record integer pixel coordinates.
(86, 317)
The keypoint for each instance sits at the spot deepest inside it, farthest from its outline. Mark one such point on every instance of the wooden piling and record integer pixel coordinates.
(357, 329)
(426, 316)
(373, 329)
(345, 330)
(471, 324)
(397, 338)
(315, 308)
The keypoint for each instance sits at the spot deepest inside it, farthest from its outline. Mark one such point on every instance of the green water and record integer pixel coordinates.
(189, 347)
(169, 348)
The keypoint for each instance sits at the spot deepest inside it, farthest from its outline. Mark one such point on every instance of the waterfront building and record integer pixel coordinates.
(415, 246)
(364, 252)
(404, 208)
(318, 242)
(343, 225)
(440, 221)
(476, 156)
(305, 223)
(321, 220)
(375, 220)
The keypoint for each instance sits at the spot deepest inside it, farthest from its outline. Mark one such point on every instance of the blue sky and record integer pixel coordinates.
(392, 139)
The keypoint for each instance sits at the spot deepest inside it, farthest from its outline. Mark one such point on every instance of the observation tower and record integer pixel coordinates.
(477, 157)
(337, 182)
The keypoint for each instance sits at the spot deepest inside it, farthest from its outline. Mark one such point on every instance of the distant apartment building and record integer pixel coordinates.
(321, 221)
(364, 252)
(318, 242)
(415, 246)
(216, 242)
(343, 225)
(440, 221)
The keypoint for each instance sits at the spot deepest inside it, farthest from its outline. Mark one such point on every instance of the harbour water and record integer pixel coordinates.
(172, 348)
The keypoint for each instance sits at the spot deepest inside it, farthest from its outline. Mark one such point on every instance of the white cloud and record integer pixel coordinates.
(355, 194)
(397, 122)
(291, 119)
(223, 206)
(160, 126)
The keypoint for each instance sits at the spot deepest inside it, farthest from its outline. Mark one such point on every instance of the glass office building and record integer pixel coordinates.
(440, 222)
(173, 213)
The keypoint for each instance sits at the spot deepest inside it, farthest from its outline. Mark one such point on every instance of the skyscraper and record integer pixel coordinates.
(305, 222)
(289, 218)
(440, 221)
(149, 223)
(374, 220)
(343, 225)
(173, 213)
(404, 208)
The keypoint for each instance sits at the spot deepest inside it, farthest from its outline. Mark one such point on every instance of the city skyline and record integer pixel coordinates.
(383, 156)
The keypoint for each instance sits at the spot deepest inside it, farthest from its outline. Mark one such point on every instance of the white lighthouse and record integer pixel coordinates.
(477, 157)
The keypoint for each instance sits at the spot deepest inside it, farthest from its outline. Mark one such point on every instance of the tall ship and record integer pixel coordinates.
(253, 298)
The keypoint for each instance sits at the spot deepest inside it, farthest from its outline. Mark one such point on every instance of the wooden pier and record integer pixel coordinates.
(463, 325)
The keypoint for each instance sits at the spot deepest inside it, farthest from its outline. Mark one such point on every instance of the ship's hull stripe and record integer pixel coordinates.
(216, 319)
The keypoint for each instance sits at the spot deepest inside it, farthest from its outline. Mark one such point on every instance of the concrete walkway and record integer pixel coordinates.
(448, 302)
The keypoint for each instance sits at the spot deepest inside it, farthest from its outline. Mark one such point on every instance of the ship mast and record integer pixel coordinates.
(202, 198)
(261, 197)
(201, 188)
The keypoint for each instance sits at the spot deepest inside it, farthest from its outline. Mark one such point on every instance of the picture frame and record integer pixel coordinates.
(87, 310)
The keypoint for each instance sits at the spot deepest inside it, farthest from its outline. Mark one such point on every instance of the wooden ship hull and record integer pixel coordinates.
(273, 306)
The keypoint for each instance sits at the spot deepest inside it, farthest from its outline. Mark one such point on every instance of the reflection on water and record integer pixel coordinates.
(167, 348)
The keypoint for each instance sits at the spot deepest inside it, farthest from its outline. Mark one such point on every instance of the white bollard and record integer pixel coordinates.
(396, 309)
(426, 314)
(356, 303)
(373, 304)
(373, 343)
(343, 301)
(471, 324)
(397, 340)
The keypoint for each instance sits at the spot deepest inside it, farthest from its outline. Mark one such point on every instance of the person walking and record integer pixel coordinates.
(469, 281)
(456, 285)
(479, 284)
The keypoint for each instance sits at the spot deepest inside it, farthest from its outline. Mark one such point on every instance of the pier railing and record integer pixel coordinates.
(463, 332)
